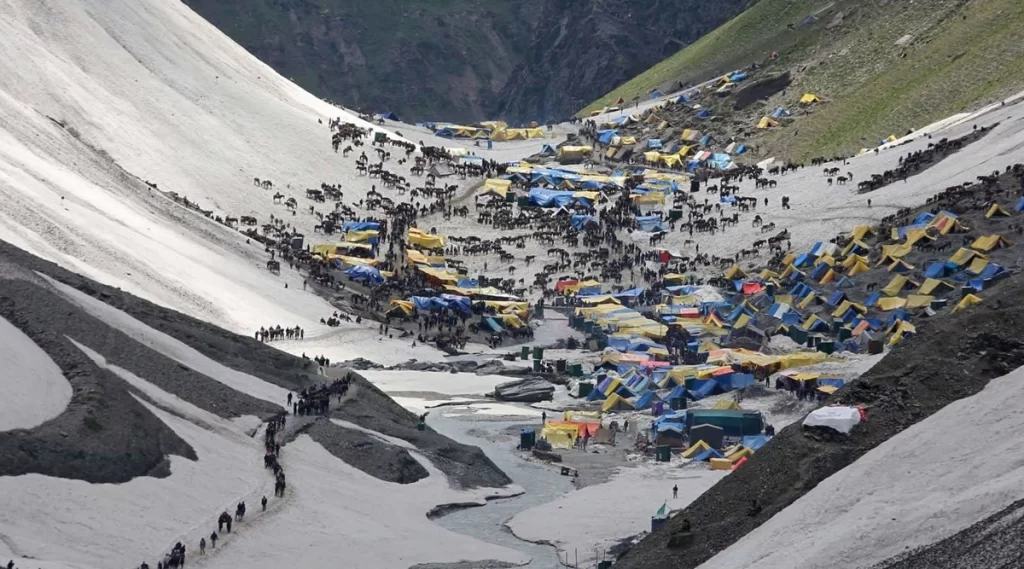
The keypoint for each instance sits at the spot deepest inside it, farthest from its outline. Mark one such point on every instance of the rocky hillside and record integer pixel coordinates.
(464, 60)
(582, 48)
(882, 67)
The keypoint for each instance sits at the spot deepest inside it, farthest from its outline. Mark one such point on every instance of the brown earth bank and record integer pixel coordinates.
(107, 436)
(950, 358)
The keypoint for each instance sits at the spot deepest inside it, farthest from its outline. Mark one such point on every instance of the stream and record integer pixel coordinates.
(541, 483)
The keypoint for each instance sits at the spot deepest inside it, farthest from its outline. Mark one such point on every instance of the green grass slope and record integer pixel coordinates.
(884, 67)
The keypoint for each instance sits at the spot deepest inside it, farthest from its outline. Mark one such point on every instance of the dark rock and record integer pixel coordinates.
(525, 391)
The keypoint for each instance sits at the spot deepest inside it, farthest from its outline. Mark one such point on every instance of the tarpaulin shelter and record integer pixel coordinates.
(496, 187)
(966, 302)
(996, 209)
(990, 242)
(368, 275)
(767, 122)
(423, 239)
(809, 98)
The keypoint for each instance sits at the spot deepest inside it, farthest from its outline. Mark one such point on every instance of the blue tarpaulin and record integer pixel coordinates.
(365, 274)
(654, 143)
(579, 221)
(550, 198)
(704, 113)
(360, 225)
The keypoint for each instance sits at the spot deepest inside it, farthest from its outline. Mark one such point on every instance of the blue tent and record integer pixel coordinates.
(360, 225)
(935, 270)
(494, 326)
(631, 293)
(368, 275)
(720, 161)
(650, 223)
(1020, 205)
(741, 149)
(704, 113)
(606, 136)
(647, 400)
(468, 283)
(550, 198)
(579, 221)
(654, 143)
(684, 98)
(780, 112)
(873, 299)
(548, 150)
(707, 455)
(832, 382)
(992, 270)
(837, 297)
(655, 94)
(389, 116)
(706, 140)
(738, 76)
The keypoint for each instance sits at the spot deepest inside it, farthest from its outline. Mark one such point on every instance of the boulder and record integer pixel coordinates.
(525, 391)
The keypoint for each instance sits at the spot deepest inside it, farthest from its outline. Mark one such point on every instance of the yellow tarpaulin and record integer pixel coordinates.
(324, 249)
(896, 285)
(496, 187)
(934, 285)
(405, 306)
(887, 304)
(361, 236)
(809, 98)
(424, 239)
(977, 265)
(919, 300)
(996, 209)
(989, 242)
(767, 122)
(897, 251)
(963, 256)
(560, 436)
(966, 302)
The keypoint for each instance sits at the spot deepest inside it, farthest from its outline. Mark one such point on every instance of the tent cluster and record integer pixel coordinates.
(498, 131)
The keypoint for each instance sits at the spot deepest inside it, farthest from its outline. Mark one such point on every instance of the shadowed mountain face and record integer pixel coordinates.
(464, 60)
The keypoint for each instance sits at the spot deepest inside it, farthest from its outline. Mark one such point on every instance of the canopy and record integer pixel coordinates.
(496, 187)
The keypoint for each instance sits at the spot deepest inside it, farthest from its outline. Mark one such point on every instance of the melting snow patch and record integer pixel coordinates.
(34, 388)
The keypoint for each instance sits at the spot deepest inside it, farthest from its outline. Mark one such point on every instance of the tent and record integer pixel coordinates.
(809, 98)
(389, 116)
(967, 302)
(616, 402)
(767, 122)
(839, 418)
(989, 242)
(495, 187)
(996, 209)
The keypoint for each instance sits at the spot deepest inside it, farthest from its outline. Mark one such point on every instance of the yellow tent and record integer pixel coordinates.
(900, 264)
(919, 300)
(652, 157)
(809, 98)
(695, 449)
(896, 251)
(963, 256)
(887, 304)
(978, 265)
(616, 402)
(686, 149)
(727, 405)
(862, 231)
(690, 135)
(847, 305)
(424, 239)
(496, 187)
(735, 272)
(996, 209)
(560, 436)
(574, 152)
(767, 122)
(967, 302)
(360, 236)
(854, 260)
(896, 285)
(989, 242)
(902, 329)
(934, 285)
(856, 246)
(405, 306)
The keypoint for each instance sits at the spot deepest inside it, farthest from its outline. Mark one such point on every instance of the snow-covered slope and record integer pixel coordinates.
(34, 389)
(94, 94)
(955, 468)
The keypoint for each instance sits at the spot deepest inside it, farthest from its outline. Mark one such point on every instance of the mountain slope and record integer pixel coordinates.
(950, 359)
(463, 60)
(883, 67)
(163, 432)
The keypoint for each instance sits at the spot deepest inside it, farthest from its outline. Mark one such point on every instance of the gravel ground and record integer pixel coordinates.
(951, 358)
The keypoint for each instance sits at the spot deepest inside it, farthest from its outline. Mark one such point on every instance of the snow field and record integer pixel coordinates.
(34, 388)
(589, 521)
(932, 480)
